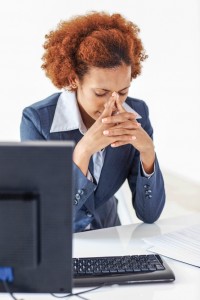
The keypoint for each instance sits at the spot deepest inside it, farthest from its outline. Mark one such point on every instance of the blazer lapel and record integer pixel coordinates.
(107, 173)
(73, 135)
(114, 167)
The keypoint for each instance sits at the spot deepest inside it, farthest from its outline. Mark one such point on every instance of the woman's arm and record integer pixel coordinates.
(148, 193)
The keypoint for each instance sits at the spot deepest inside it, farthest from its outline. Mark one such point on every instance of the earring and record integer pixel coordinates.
(73, 86)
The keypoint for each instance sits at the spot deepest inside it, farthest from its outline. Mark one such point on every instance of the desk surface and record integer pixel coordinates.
(127, 239)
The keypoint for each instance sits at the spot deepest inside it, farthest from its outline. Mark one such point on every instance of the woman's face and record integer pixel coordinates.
(97, 87)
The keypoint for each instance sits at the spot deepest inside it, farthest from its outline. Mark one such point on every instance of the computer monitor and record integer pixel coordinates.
(36, 189)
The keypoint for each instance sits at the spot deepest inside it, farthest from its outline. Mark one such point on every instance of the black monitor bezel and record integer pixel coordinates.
(42, 169)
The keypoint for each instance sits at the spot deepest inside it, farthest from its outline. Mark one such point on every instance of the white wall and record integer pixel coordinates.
(169, 82)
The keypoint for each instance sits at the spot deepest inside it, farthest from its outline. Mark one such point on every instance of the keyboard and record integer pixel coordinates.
(93, 271)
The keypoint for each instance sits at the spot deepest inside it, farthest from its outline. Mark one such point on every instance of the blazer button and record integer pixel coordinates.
(78, 197)
(89, 214)
(147, 192)
(75, 202)
(81, 192)
(146, 186)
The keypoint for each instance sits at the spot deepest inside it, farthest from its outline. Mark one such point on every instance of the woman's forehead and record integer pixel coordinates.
(102, 78)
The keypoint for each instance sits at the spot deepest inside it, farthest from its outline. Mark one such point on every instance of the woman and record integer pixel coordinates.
(94, 58)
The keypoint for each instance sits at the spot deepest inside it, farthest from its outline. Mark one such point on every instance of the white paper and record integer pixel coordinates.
(182, 245)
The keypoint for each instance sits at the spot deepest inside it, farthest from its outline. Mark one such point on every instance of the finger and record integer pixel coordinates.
(120, 108)
(122, 117)
(128, 125)
(108, 108)
(112, 101)
(124, 140)
(119, 132)
(118, 144)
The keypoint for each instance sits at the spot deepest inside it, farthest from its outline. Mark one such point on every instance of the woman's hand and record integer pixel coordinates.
(124, 124)
(94, 139)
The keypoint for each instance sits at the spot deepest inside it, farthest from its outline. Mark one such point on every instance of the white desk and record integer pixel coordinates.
(127, 239)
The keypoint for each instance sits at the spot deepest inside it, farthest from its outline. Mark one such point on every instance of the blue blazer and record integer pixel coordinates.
(96, 204)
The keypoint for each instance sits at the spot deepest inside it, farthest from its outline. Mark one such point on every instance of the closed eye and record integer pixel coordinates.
(122, 94)
(100, 95)
(104, 94)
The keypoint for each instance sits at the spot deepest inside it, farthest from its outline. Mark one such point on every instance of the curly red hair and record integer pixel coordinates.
(96, 39)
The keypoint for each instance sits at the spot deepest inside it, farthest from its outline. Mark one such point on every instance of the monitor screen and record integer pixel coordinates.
(36, 189)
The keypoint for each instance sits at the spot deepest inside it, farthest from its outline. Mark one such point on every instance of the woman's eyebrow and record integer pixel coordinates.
(115, 91)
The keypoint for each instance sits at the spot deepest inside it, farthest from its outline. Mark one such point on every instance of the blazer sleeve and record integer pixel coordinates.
(148, 194)
(31, 129)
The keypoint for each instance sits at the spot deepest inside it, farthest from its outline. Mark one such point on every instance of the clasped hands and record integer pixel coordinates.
(116, 130)
(122, 127)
